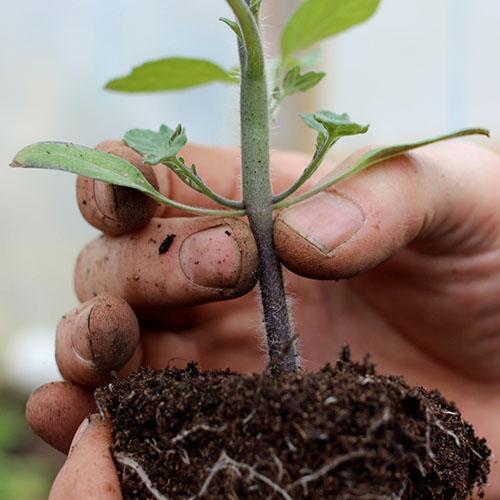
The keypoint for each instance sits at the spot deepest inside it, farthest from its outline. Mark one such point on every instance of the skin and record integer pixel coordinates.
(419, 238)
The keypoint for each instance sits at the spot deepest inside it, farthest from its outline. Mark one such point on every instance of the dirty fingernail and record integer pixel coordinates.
(327, 220)
(80, 334)
(212, 258)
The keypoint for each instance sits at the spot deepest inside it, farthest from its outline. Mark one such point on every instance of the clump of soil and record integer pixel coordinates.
(344, 432)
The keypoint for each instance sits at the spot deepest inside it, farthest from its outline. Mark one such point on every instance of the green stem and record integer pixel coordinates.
(306, 175)
(191, 179)
(257, 190)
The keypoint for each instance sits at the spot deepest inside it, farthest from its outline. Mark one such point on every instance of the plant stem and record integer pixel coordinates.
(257, 190)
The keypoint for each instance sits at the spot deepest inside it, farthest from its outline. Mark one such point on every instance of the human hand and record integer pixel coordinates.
(419, 236)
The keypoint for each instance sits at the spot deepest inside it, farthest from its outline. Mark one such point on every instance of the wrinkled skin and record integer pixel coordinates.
(419, 236)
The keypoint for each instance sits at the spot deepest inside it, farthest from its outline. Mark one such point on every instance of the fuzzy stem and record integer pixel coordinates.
(257, 190)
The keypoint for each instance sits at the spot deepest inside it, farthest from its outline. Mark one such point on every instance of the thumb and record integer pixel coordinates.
(89, 471)
(442, 197)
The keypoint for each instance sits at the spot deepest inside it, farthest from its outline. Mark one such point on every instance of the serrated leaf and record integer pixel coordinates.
(292, 83)
(331, 127)
(173, 73)
(316, 20)
(156, 147)
(85, 161)
(295, 82)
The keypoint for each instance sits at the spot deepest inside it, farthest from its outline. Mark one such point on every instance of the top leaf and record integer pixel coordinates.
(316, 20)
(172, 73)
(156, 147)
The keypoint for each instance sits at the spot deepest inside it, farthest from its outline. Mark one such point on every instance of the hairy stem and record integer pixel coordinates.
(257, 190)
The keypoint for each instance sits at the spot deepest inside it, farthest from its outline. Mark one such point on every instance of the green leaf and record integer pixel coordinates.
(85, 161)
(374, 157)
(292, 83)
(316, 20)
(331, 127)
(88, 162)
(163, 147)
(234, 26)
(381, 154)
(173, 73)
(295, 82)
(156, 147)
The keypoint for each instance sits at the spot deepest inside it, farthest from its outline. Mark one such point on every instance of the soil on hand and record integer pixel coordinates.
(344, 432)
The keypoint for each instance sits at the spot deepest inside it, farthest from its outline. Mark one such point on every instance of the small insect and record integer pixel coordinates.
(166, 244)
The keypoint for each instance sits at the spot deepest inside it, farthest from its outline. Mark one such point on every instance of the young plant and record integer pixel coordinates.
(312, 22)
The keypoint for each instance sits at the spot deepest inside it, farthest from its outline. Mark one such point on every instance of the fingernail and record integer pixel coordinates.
(327, 220)
(212, 258)
(80, 334)
(105, 199)
(79, 434)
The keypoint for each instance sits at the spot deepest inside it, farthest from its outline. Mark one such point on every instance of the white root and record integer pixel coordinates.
(326, 468)
(428, 436)
(447, 431)
(249, 417)
(202, 427)
(384, 418)
(184, 456)
(226, 462)
(420, 466)
(290, 445)
(279, 465)
(330, 400)
(137, 468)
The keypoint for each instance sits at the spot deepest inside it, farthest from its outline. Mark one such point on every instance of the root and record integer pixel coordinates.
(202, 427)
(326, 468)
(127, 461)
(226, 462)
(184, 456)
(384, 418)
(428, 447)
(330, 401)
(279, 465)
(249, 417)
(447, 431)
(290, 445)
(420, 466)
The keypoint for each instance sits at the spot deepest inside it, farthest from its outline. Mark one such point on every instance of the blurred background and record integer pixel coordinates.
(416, 69)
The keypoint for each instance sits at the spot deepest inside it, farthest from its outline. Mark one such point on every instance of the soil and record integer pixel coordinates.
(344, 432)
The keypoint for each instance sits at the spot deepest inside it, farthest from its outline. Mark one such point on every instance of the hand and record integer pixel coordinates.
(419, 236)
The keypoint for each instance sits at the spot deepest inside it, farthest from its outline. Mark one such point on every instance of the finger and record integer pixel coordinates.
(116, 209)
(99, 337)
(54, 411)
(172, 262)
(89, 471)
(430, 197)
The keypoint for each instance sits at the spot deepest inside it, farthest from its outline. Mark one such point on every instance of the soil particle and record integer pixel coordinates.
(344, 432)
(166, 244)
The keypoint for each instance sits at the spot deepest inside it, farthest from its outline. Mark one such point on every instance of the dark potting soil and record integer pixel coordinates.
(341, 433)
